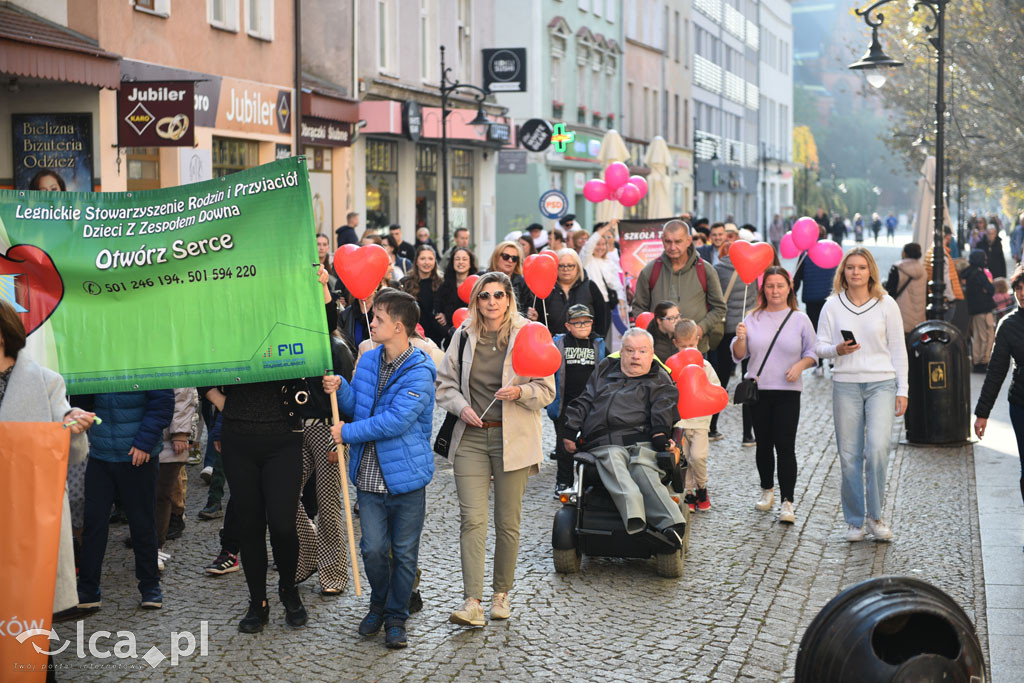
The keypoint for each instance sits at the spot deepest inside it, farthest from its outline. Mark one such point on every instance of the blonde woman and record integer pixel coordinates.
(861, 327)
(573, 287)
(502, 441)
(508, 258)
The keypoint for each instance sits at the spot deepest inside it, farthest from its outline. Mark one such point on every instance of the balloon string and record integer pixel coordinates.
(544, 303)
(366, 316)
(494, 401)
(746, 287)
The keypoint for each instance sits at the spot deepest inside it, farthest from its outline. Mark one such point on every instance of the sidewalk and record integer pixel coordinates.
(997, 471)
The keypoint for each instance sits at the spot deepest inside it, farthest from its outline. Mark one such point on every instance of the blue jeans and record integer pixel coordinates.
(209, 412)
(863, 413)
(390, 544)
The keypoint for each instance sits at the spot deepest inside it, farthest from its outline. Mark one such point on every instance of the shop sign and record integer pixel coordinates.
(505, 69)
(499, 132)
(53, 145)
(412, 120)
(583, 148)
(511, 161)
(282, 151)
(535, 135)
(156, 114)
(254, 108)
(554, 204)
(327, 133)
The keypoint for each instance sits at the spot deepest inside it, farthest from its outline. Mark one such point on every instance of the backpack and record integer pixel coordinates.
(716, 333)
(892, 282)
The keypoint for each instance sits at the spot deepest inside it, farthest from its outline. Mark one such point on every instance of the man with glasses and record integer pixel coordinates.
(681, 276)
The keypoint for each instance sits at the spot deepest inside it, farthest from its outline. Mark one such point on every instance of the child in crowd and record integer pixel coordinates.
(581, 351)
(692, 434)
(980, 304)
(1002, 297)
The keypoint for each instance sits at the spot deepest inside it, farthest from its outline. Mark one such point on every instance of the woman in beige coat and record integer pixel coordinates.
(502, 441)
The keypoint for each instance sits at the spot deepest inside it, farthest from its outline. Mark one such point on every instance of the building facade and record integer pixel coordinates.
(575, 65)
(776, 112)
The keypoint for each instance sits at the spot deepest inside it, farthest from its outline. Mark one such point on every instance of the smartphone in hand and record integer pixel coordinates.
(848, 337)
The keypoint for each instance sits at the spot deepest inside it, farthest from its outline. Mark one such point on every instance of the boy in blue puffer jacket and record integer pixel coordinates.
(123, 463)
(391, 399)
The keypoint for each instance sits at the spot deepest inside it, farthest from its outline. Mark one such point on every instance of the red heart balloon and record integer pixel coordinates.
(550, 253)
(361, 268)
(37, 285)
(677, 361)
(749, 259)
(644, 319)
(541, 274)
(698, 397)
(459, 315)
(467, 287)
(534, 354)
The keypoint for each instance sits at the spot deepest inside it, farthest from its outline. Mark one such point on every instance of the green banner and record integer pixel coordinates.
(206, 284)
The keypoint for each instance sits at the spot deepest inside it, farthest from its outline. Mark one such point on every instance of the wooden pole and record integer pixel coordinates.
(352, 551)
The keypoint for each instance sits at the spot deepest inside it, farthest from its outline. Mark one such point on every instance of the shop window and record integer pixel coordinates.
(381, 183)
(460, 214)
(462, 163)
(231, 155)
(426, 188)
(143, 168)
(223, 14)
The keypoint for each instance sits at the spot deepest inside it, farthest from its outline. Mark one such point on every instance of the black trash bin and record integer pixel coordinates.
(939, 405)
(891, 628)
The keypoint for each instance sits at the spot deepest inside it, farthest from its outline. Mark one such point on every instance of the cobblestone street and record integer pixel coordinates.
(749, 589)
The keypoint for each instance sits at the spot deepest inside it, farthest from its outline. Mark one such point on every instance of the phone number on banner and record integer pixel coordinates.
(192, 276)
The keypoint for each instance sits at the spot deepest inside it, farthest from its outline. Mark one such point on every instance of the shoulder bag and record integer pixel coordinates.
(443, 441)
(746, 390)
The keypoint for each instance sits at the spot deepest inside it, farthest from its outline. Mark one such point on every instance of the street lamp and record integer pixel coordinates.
(874, 59)
(480, 122)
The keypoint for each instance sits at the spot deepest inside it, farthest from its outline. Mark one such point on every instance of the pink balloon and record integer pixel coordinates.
(616, 175)
(786, 247)
(805, 233)
(826, 254)
(640, 183)
(596, 190)
(628, 195)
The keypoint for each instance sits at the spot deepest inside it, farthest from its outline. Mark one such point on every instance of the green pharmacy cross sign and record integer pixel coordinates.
(562, 137)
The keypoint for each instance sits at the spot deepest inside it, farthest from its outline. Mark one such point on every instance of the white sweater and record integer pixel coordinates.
(878, 328)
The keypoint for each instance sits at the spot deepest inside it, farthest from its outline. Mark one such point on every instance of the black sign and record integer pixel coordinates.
(52, 151)
(511, 161)
(412, 120)
(156, 114)
(325, 132)
(284, 111)
(282, 151)
(535, 135)
(505, 69)
(207, 86)
(499, 132)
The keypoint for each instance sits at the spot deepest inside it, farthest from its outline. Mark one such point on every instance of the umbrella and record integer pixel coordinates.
(612, 149)
(924, 222)
(659, 183)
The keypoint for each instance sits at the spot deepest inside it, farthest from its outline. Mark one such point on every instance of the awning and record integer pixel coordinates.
(326, 100)
(34, 48)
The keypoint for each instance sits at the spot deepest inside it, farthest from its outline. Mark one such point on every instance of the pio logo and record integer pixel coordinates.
(284, 350)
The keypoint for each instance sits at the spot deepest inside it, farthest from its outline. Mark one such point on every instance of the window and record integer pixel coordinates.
(460, 213)
(584, 5)
(230, 155)
(223, 14)
(381, 183)
(465, 40)
(676, 122)
(654, 114)
(428, 39)
(143, 168)
(426, 188)
(678, 37)
(385, 48)
(598, 7)
(161, 8)
(646, 129)
(629, 103)
(259, 19)
(610, 11)
(686, 121)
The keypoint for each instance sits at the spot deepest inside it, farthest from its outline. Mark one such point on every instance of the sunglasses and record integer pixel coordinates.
(514, 258)
(486, 296)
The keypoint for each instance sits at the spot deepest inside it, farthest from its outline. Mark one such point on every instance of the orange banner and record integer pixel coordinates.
(33, 470)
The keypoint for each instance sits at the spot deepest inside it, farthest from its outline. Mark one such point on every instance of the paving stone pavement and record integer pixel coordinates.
(750, 587)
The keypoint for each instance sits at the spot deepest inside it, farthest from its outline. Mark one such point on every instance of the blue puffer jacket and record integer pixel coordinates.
(399, 422)
(130, 419)
(817, 281)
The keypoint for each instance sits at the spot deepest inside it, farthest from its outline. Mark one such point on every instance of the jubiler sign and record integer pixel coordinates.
(156, 114)
(108, 285)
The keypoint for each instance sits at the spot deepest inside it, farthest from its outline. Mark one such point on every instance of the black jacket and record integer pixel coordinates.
(1009, 344)
(346, 235)
(977, 289)
(996, 259)
(584, 291)
(406, 251)
(621, 410)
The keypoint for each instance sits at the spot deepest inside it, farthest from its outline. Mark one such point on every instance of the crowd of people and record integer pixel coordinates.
(399, 353)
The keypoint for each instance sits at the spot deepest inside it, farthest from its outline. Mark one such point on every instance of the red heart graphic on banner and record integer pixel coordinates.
(749, 259)
(677, 361)
(361, 268)
(30, 281)
(541, 274)
(534, 354)
(466, 288)
(698, 397)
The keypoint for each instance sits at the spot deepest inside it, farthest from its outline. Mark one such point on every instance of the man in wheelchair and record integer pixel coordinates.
(624, 419)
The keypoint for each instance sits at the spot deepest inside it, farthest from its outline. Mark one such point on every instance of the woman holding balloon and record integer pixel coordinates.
(779, 341)
(499, 394)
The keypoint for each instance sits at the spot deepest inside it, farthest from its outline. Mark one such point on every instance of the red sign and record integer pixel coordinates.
(156, 114)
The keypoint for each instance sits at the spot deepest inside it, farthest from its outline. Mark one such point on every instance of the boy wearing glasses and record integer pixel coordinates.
(692, 434)
(581, 351)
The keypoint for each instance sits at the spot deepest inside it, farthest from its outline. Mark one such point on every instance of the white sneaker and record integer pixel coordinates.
(786, 514)
(854, 534)
(501, 607)
(878, 529)
(470, 614)
(207, 474)
(767, 501)
(161, 558)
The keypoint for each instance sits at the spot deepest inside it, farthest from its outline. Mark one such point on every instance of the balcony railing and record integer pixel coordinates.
(707, 74)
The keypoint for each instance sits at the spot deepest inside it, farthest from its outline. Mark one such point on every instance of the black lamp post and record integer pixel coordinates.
(447, 88)
(875, 58)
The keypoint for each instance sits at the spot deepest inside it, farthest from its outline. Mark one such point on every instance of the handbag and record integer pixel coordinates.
(443, 440)
(746, 391)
